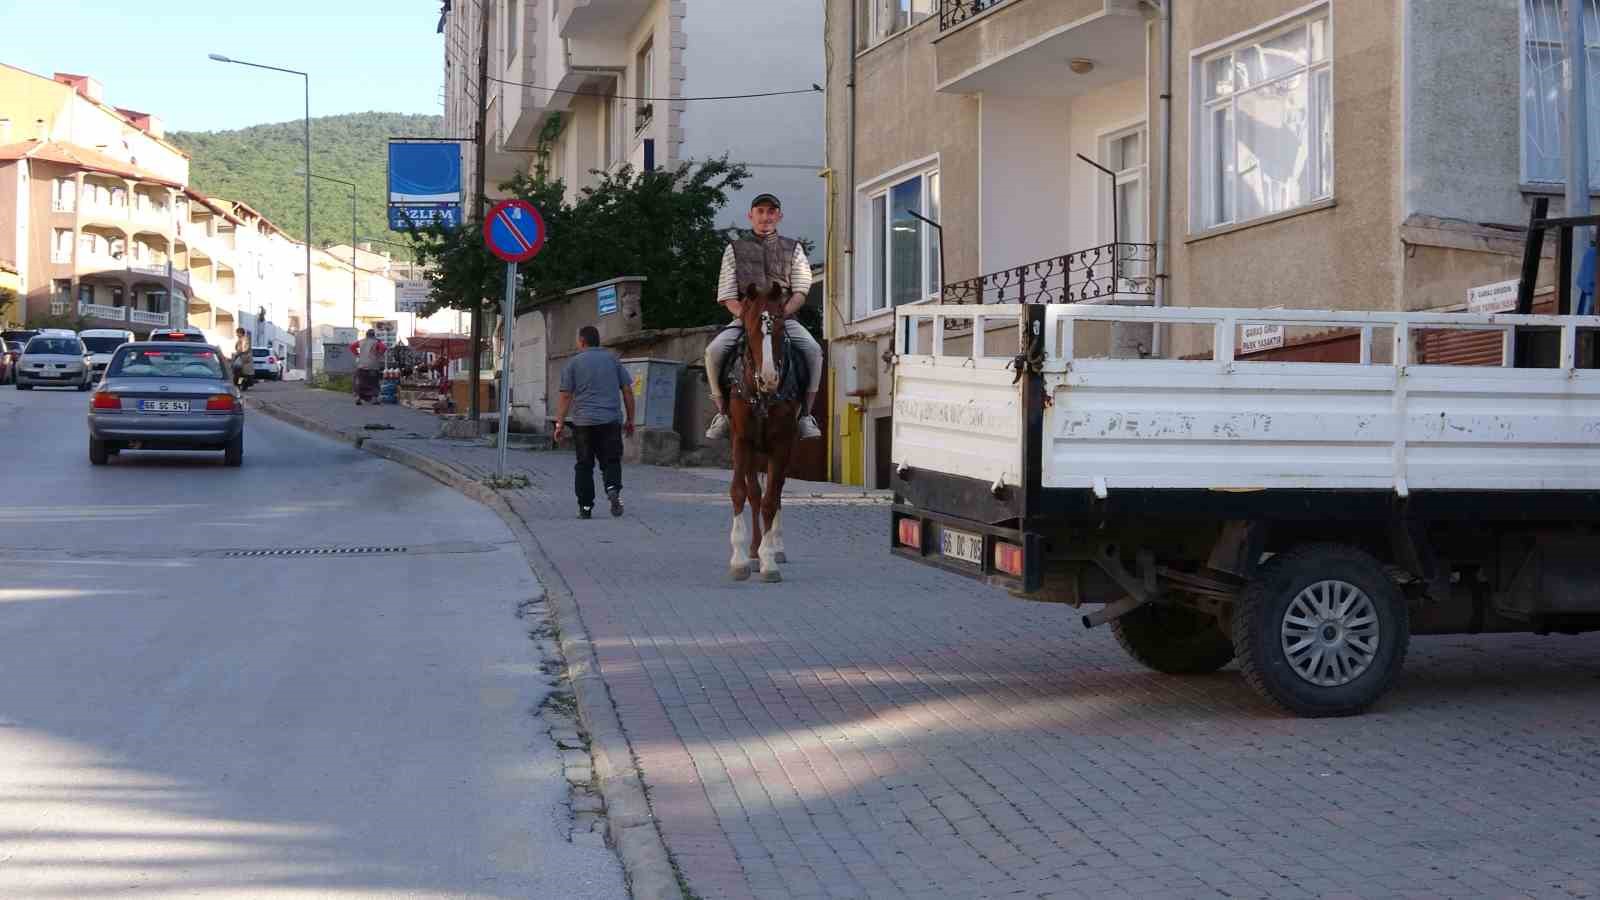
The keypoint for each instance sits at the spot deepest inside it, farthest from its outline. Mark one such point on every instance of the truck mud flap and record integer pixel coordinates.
(1004, 557)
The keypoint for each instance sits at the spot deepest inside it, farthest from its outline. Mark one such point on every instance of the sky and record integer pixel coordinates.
(151, 55)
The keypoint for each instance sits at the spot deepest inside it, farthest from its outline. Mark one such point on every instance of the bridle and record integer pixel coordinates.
(761, 392)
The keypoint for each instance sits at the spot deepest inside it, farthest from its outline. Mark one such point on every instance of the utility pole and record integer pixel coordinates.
(1575, 79)
(480, 195)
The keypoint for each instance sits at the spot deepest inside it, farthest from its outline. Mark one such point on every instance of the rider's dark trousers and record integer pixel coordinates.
(602, 443)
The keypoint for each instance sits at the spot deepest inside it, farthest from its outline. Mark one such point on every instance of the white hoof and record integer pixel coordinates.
(739, 573)
(772, 577)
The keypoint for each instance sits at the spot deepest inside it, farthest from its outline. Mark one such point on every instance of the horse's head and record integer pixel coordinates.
(762, 316)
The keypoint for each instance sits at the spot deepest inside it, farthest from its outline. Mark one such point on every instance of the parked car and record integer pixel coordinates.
(54, 359)
(18, 334)
(187, 333)
(268, 365)
(8, 360)
(101, 343)
(166, 396)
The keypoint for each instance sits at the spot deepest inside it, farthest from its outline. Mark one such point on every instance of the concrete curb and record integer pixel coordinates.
(645, 863)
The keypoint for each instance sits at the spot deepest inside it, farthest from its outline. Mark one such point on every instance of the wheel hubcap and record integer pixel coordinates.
(1330, 633)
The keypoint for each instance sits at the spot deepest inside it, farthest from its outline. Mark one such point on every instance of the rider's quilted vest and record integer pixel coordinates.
(760, 264)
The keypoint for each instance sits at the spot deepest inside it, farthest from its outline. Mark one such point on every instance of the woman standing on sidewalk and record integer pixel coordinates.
(369, 353)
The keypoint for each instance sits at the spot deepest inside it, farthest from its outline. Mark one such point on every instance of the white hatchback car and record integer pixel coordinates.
(101, 343)
(54, 359)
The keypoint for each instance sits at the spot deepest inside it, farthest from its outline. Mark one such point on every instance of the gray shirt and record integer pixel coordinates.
(595, 379)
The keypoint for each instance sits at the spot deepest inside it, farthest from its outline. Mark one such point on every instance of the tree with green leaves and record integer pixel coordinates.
(659, 224)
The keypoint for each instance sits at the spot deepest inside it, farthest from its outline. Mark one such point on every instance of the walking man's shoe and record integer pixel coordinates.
(718, 430)
(585, 512)
(808, 428)
(616, 500)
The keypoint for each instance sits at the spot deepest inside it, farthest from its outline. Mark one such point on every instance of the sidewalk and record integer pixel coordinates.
(871, 727)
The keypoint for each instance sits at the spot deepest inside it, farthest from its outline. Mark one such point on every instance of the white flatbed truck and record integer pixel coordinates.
(1304, 518)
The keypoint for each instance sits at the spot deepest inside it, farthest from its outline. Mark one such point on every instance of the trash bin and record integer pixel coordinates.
(655, 390)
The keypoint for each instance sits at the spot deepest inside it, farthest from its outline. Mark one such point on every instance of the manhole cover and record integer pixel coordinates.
(313, 551)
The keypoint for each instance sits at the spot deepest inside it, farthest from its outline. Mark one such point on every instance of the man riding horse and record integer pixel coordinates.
(758, 265)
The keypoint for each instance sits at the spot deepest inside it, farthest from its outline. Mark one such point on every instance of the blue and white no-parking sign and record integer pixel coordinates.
(514, 231)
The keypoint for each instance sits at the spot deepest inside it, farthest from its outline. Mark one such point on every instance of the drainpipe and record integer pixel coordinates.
(1163, 176)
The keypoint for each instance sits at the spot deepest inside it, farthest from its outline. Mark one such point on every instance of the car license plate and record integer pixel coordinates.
(961, 545)
(164, 405)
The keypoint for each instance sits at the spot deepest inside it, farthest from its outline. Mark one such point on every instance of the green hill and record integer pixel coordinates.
(258, 165)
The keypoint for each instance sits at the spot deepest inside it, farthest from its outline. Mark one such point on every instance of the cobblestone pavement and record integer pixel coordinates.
(874, 728)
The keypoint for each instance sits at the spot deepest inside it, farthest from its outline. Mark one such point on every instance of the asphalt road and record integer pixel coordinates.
(177, 722)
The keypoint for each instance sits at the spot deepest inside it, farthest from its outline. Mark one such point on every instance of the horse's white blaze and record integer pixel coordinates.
(769, 368)
(739, 538)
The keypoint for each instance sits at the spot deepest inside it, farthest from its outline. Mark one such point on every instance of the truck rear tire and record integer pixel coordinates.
(1173, 639)
(1321, 631)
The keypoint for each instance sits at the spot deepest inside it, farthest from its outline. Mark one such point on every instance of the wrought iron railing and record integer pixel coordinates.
(954, 12)
(1099, 273)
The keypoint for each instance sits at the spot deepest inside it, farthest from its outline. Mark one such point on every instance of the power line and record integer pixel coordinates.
(814, 89)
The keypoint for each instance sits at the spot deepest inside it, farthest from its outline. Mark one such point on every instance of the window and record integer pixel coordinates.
(613, 113)
(1123, 152)
(513, 29)
(61, 249)
(61, 290)
(904, 249)
(1265, 110)
(886, 18)
(85, 293)
(644, 84)
(63, 195)
(1544, 55)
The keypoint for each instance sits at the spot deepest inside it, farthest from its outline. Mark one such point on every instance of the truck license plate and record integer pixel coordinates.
(961, 545)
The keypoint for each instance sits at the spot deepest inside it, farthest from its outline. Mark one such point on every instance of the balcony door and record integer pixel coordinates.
(1125, 215)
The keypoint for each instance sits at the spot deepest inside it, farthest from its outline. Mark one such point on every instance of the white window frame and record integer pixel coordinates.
(645, 79)
(880, 16)
(1202, 155)
(1557, 54)
(1139, 175)
(930, 185)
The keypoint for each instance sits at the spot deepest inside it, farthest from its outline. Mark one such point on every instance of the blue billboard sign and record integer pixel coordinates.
(424, 183)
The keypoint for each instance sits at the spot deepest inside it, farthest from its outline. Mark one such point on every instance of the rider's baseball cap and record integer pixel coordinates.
(766, 198)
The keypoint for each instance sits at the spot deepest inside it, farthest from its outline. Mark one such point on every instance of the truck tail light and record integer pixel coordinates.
(221, 403)
(909, 533)
(1008, 558)
(103, 400)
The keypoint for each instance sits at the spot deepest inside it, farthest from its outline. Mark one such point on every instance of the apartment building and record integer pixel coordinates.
(592, 85)
(1349, 154)
(97, 216)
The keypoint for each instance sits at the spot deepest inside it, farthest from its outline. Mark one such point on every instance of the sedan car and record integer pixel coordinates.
(166, 396)
(268, 366)
(54, 359)
(8, 360)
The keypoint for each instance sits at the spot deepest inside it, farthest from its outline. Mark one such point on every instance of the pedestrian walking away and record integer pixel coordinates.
(762, 264)
(369, 353)
(595, 392)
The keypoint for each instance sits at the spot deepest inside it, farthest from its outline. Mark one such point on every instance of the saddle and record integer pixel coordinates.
(794, 377)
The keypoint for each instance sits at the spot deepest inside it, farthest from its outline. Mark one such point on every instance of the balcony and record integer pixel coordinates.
(98, 311)
(600, 19)
(1113, 273)
(59, 307)
(157, 319)
(63, 205)
(1027, 48)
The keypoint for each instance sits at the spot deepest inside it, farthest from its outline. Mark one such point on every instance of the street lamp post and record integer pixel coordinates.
(217, 57)
(352, 186)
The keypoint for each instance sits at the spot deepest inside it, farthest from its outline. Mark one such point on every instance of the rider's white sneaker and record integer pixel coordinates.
(808, 428)
(718, 428)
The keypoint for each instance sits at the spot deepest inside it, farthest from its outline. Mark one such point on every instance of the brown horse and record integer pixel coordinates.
(764, 426)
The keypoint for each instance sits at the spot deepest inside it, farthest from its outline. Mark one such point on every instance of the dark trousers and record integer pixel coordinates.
(597, 442)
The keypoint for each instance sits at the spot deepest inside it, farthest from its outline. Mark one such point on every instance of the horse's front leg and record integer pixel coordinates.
(739, 564)
(771, 552)
(753, 491)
